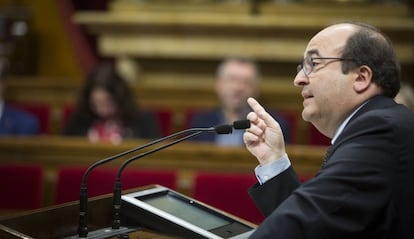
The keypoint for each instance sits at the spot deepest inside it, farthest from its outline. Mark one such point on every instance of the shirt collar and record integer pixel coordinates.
(344, 123)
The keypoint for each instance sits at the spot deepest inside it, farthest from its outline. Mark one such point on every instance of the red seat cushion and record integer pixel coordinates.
(102, 180)
(228, 192)
(21, 185)
(317, 138)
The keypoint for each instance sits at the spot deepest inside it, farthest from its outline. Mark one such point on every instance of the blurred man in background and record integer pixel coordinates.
(237, 79)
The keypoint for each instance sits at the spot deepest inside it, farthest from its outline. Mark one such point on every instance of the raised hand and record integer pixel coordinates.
(264, 138)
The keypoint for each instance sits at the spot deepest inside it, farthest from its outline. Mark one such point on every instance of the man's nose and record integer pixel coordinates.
(300, 79)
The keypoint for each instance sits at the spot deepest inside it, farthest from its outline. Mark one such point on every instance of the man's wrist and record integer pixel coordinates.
(264, 172)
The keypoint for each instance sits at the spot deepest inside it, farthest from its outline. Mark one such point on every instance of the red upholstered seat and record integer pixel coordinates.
(21, 186)
(228, 192)
(101, 181)
(316, 138)
(164, 117)
(132, 178)
(67, 112)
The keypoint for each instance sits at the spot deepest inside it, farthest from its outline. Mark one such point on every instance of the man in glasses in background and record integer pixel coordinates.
(365, 188)
(237, 79)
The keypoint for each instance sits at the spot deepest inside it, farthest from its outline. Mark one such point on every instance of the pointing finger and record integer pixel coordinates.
(262, 114)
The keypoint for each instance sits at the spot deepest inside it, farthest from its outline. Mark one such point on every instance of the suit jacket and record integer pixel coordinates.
(144, 125)
(216, 117)
(365, 190)
(18, 122)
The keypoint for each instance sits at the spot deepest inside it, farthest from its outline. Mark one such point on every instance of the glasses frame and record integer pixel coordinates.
(302, 65)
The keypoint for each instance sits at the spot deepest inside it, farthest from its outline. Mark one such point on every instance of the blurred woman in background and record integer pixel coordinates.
(106, 110)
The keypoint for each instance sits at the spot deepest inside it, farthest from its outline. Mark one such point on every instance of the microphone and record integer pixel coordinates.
(221, 129)
(83, 198)
(241, 124)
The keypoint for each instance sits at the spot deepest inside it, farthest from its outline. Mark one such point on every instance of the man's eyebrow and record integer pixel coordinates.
(312, 52)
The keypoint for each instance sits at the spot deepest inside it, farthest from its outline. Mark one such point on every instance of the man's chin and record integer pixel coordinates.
(306, 115)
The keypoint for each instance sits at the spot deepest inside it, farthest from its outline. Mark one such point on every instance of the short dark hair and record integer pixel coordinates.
(368, 46)
(241, 60)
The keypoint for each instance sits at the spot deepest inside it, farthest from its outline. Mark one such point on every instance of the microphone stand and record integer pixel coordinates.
(118, 187)
(83, 198)
(221, 129)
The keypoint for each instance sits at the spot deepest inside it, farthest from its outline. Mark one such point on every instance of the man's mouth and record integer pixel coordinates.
(306, 95)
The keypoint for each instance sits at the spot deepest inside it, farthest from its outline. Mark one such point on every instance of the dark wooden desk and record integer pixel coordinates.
(62, 221)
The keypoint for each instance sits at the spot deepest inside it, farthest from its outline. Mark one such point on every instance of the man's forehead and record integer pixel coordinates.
(330, 40)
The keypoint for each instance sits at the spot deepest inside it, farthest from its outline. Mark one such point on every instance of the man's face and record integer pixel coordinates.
(236, 83)
(326, 91)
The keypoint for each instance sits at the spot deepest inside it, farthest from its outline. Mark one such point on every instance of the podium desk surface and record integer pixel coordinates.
(62, 221)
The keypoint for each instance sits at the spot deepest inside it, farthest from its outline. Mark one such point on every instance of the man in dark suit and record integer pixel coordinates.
(365, 188)
(12, 120)
(237, 79)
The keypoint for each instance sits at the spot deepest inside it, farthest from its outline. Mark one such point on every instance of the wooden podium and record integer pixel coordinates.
(61, 221)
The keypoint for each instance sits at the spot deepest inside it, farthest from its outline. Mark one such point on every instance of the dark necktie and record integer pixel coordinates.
(325, 158)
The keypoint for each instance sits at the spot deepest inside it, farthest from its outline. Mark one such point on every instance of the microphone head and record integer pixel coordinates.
(241, 124)
(223, 129)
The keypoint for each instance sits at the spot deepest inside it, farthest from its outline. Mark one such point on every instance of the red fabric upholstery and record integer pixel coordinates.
(66, 114)
(22, 186)
(316, 138)
(102, 180)
(228, 192)
(164, 120)
(40, 111)
(132, 178)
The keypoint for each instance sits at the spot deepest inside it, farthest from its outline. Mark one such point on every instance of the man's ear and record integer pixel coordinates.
(363, 79)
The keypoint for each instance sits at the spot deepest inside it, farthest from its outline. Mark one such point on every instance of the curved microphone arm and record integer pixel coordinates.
(118, 187)
(220, 129)
(83, 198)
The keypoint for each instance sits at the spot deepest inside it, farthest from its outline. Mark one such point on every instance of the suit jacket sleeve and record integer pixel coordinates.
(269, 195)
(348, 194)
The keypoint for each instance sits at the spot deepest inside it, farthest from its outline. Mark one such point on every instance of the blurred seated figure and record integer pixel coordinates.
(106, 110)
(405, 96)
(237, 79)
(12, 120)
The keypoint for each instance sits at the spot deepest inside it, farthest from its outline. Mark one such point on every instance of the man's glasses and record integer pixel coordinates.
(308, 63)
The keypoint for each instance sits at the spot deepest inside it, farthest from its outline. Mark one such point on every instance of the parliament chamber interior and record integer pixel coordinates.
(168, 53)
